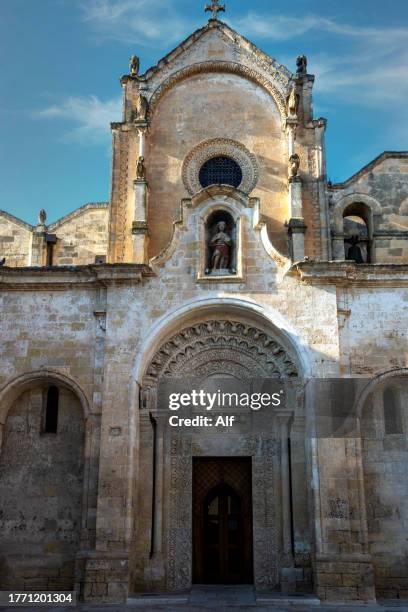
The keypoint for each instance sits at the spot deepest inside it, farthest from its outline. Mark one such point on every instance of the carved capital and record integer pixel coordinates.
(140, 227)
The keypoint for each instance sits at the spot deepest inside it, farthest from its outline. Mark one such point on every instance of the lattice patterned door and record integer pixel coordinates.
(222, 527)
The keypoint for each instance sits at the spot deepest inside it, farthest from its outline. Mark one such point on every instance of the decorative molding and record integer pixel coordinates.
(182, 355)
(220, 67)
(213, 148)
(347, 273)
(63, 278)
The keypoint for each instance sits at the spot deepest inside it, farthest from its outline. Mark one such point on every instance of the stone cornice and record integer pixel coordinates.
(62, 278)
(348, 274)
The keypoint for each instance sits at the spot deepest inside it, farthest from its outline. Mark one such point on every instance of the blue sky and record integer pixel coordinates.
(62, 60)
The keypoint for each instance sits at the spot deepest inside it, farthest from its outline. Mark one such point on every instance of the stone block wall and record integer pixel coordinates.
(41, 479)
(15, 240)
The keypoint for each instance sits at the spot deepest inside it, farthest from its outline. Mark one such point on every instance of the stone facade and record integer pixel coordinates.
(103, 505)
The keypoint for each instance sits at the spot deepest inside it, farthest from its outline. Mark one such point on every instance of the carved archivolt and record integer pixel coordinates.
(214, 148)
(220, 346)
(229, 67)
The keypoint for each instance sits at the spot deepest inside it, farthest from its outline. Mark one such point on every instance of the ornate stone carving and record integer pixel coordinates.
(177, 357)
(119, 201)
(42, 217)
(142, 107)
(220, 147)
(221, 245)
(225, 67)
(294, 164)
(301, 64)
(141, 169)
(293, 102)
(179, 548)
(134, 66)
(214, 8)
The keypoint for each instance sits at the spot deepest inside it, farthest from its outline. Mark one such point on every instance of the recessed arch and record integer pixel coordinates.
(218, 67)
(14, 388)
(374, 383)
(246, 311)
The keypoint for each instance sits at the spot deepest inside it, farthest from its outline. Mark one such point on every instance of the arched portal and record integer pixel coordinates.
(205, 350)
(41, 482)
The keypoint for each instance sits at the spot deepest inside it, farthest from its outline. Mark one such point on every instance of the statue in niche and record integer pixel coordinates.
(301, 63)
(134, 66)
(354, 252)
(221, 243)
(294, 164)
(141, 169)
(142, 107)
(42, 217)
(293, 103)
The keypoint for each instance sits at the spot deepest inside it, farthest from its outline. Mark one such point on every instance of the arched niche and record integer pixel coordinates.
(221, 242)
(358, 232)
(384, 434)
(42, 478)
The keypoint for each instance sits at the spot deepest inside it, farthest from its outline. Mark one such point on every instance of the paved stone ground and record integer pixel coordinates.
(220, 599)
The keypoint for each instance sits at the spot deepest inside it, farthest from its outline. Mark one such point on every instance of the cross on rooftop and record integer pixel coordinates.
(215, 8)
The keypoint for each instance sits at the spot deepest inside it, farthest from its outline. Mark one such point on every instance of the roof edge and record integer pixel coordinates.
(370, 166)
(16, 220)
(77, 212)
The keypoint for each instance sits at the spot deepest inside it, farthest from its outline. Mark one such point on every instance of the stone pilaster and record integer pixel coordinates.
(338, 251)
(38, 246)
(139, 224)
(296, 224)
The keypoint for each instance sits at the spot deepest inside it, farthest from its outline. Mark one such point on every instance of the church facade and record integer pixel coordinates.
(224, 251)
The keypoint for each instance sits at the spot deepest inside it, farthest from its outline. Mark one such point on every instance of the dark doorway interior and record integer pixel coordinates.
(222, 526)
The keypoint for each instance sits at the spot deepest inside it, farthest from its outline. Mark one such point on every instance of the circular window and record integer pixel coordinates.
(220, 171)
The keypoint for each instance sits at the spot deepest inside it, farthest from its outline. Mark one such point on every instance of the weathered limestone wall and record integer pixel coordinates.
(15, 239)
(385, 460)
(41, 478)
(362, 310)
(383, 187)
(81, 236)
(211, 106)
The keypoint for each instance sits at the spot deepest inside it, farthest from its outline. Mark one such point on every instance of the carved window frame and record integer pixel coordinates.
(217, 147)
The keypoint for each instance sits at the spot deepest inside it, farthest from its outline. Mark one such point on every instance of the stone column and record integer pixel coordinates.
(291, 126)
(297, 227)
(158, 491)
(139, 225)
(285, 488)
(338, 250)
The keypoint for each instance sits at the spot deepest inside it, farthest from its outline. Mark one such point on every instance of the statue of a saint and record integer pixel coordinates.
(42, 217)
(293, 103)
(294, 164)
(134, 66)
(141, 169)
(142, 106)
(301, 63)
(221, 243)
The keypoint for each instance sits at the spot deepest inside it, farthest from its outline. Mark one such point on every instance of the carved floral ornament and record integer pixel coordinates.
(218, 147)
(213, 346)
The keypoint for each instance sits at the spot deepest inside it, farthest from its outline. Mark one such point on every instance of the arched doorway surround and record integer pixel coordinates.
(204, 347)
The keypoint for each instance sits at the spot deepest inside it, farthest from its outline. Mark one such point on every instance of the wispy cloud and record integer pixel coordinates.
(145, 22)
(89, 118)
(371, 68)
